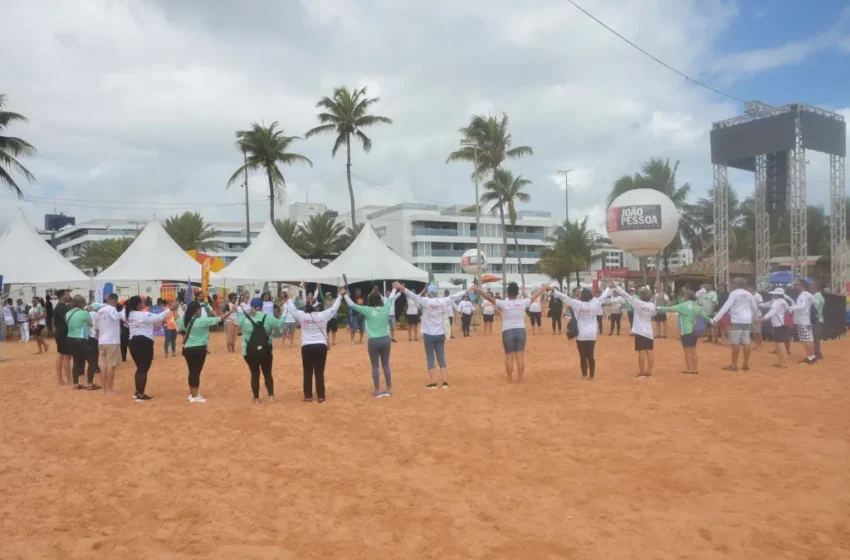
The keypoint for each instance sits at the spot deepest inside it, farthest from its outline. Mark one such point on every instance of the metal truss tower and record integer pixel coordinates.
(721, 227)
(838, 223)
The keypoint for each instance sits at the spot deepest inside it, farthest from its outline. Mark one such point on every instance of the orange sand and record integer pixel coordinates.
(748, 465)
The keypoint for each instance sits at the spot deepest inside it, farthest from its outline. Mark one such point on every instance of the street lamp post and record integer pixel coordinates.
(566, 175)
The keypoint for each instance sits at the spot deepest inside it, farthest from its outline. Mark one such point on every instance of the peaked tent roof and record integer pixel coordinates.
(153, 255)
(269, 259)
(26, 258)
(369, 258)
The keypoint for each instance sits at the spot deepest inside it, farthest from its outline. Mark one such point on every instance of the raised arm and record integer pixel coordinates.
(480, 291)
(329, 314)
(541, 290)
(357, 307)
(294, 311)
(388, 301)
(416, 298)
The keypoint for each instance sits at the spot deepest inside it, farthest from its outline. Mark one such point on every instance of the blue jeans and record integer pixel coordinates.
(171, 340)
(379, 349)
(435, 345)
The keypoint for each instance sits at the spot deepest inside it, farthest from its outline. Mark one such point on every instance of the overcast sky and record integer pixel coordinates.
(139, 100)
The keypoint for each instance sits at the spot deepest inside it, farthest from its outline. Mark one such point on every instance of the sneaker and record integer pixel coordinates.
(377, 394)
(445, 385)
(386, 393)
(431, 386)
(197, 399)
(141, 398)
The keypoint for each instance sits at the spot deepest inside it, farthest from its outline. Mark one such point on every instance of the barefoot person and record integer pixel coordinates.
(688, 311)
(38, 322)
(108, 321)
(488, 315)
(196, 337)
(660, 299)
(779, 308)
(742, 310)
(513, 326)
(314, 343)
(644, 312)
(257, 349)
(433, 310)
(230, 325)
(535, 312)
(585, 311)
(78, 321)
(376, 315)
(141, 325)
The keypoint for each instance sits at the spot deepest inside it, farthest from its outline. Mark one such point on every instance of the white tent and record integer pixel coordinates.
(368, 258)
(153, 255)
(26, 258)
(270, 259)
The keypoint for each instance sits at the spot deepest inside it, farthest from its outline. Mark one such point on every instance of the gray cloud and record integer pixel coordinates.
(140, 100)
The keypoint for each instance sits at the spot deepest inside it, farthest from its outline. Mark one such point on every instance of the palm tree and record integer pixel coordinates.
(265, 149)
(321, 236)
(288, 231)
(741, 216)
(191, 232)
(504, 190)
(487, 144)
(572, 245)
(346, 114)
(349, 235)
(100, 255)
(12, 148)
(656, 174)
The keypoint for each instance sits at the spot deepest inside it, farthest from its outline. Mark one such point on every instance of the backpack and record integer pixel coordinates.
(258, 343)
(572, 326)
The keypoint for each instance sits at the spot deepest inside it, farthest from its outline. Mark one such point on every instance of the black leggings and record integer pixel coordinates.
(195, 357)
(313, 357)
(141, 350)
(94, 356)
(81, 351)
(125, 341)
(556, 320)
(465, 321)
(599, 322)
(535, 317)
(263, 363)
(615, 320)
(585, 354)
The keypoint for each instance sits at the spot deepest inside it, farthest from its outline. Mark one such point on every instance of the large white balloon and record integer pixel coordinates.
(470, 264)
(642, 221)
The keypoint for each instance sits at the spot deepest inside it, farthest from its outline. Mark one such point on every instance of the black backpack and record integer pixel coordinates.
(572, 326)
(258, 343)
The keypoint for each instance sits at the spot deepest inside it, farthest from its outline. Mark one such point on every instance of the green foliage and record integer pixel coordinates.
(266, 149)
(503, 192)
(348, 237)
(288, 231)
(321, 236)
(570, 250)
(346, 114)
(191, 232)
(11, 148)
(99, 255)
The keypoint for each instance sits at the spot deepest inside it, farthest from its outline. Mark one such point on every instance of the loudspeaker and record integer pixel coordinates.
(776, 188)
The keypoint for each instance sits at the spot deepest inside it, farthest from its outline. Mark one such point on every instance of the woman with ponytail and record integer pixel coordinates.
(196, 336)
(141, 324)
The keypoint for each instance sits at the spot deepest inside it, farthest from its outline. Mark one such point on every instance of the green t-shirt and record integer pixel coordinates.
(377, 318)
(200, 334)
(709, 301)
(688, 312)
(270, 323)
(78, 320)
(819, 303)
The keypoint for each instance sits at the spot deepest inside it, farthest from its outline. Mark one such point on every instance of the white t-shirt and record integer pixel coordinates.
(412, 307)
(741, 307)
(778, 308)
(802, 309)
(644, 312)
(8, 315)
(107, 321)
(585, 313)
(141, 323)
(700, 295)
(535, 306)
(466, 307)
(617, 304)
(489, 308)
(759, 300)
(314, 326)
(433, 311)
(268, 308)
(513, 312)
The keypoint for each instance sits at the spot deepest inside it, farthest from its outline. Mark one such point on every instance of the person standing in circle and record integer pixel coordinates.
(412, 318)
(433, 309)
(377, 315)
(659, 322)
(644, 311)
(78, 322)
(196, 336)
(535, 311)
(466, 308)
(108, 320)
(513, 326)
(170, 332)
(742, 310)
(288, 328)
(60, 332)
(358, 322)
(617, 303)
(556, 313)
(585, 310)
(488, 314)
(688, 311)
(257, 348)
(314, 343)
(230, 325)
(333, 322)
(38, 321)
(779, 309)
(141, 325)
(803, 310)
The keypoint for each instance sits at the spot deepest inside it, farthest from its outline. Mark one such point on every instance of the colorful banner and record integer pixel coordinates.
(205, 279)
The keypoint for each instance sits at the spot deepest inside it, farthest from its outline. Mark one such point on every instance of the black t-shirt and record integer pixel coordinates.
(60, 327)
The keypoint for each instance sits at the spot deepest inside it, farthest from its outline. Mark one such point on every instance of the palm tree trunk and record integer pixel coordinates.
(504, 249)
(271, 198)
(348, 176)
(516, 244)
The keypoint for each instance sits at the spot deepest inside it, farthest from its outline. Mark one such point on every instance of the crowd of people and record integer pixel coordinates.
(94, 338)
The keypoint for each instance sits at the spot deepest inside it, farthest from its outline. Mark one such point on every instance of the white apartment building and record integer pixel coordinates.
(301, 212)
(607, 256)
(70, 240)
(435, 237)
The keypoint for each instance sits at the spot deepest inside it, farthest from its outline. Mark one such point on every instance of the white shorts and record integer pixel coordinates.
(739, 335)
